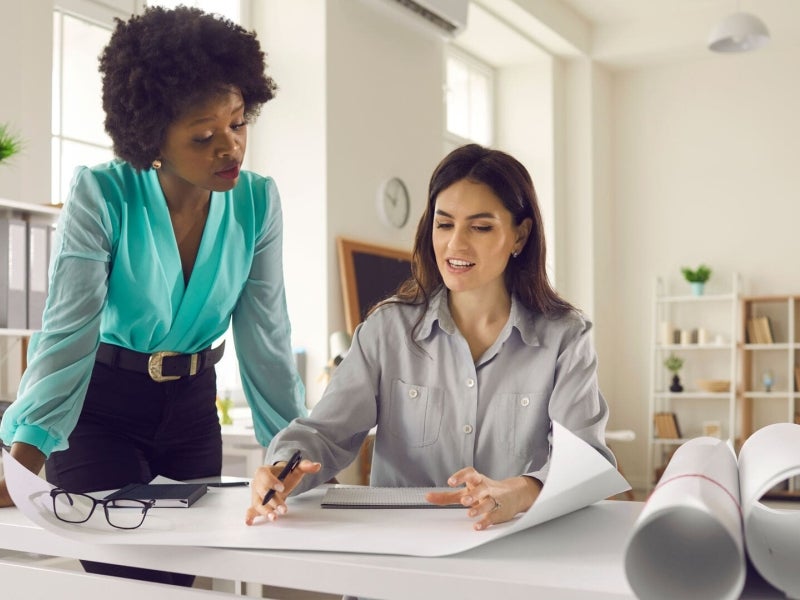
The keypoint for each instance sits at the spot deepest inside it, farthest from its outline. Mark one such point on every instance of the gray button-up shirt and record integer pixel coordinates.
(437, 410)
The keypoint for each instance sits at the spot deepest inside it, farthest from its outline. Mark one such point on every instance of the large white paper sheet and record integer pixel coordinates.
(688, 540)
(578, 477)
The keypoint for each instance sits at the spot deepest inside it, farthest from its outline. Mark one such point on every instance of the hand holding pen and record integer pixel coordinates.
(269, 491)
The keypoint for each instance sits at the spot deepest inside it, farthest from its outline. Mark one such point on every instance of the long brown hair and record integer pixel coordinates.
(526, 275)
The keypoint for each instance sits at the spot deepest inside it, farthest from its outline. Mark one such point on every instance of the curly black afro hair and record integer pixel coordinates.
(161, 62)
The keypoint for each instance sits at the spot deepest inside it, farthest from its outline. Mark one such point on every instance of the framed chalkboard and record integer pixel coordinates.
(369, 274)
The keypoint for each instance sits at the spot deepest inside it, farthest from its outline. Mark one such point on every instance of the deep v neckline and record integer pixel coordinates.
(167, 242)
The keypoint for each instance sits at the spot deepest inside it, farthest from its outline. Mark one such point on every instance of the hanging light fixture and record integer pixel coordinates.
(739, 32)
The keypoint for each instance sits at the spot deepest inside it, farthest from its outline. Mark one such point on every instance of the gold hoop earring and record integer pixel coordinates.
(156, 164)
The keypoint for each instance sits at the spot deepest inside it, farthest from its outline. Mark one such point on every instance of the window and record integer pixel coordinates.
(78, 134)
(470, 89)
(81, 30)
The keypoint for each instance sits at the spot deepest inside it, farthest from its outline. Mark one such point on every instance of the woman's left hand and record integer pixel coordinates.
(490, 500)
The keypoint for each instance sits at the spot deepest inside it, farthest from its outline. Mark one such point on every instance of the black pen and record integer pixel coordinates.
(288, 468)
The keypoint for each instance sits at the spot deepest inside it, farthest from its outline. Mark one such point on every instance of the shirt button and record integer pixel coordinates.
(413, 393)
(525, 401)
(470, 382)
(467, 428)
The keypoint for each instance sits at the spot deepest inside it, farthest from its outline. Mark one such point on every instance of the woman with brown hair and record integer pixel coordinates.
(464, 370)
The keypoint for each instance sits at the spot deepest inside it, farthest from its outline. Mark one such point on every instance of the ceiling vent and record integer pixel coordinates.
(447, 17)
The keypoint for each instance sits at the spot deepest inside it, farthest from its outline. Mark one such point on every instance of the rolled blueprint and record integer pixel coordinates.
(691, 536)
(687, 542)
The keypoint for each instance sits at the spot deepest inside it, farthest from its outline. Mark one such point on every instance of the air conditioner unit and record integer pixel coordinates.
(447, 17)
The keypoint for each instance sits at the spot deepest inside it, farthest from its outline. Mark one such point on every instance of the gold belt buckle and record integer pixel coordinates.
(154, 366)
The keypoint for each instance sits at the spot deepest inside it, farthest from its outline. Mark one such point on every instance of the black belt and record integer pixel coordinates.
(161, 366)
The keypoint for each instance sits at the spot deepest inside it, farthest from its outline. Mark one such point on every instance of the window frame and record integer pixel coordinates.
(473, 65)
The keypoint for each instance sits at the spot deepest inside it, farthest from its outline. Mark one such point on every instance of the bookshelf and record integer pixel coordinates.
(14, 340)
(770, 360)
(701, 330)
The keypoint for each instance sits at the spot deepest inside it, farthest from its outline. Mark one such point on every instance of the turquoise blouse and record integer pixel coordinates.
(116, 277)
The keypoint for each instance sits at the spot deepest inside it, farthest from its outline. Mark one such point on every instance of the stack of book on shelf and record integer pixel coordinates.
(797, 378)
(759, 330)
(666, 424)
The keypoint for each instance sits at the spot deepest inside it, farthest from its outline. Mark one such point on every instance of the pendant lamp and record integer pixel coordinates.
(739, 32)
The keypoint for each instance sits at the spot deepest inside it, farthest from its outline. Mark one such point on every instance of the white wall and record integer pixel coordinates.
(360, 100)
(288, 143)
(26, 41)
(704, 170)
(525, 128)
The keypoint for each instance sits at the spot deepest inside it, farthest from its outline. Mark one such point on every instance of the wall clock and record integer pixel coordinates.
(394, 203)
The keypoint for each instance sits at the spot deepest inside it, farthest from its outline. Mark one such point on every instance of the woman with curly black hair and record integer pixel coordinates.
(157, 252)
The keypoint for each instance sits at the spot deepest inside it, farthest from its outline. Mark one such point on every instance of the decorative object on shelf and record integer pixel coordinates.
(10, 143)
(714, 385)
(712, 429)
(768, 380)
(674, 364)
(666, 333)
(697, 278)
(394, 202)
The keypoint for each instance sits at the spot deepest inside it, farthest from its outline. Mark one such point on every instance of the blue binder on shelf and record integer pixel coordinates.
(38, 258)
(13, 274)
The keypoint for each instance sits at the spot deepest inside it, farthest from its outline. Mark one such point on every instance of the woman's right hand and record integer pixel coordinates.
(266, 479)
(29, 457)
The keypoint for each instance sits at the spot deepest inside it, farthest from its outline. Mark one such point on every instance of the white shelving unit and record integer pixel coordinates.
(13, 340)
(707, 328)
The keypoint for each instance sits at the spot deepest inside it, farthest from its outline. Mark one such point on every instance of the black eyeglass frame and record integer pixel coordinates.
(132, 503)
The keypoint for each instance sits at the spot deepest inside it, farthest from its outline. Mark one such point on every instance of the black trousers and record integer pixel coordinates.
(131, 429)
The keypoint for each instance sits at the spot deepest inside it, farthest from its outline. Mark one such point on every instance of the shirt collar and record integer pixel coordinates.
(520, 318)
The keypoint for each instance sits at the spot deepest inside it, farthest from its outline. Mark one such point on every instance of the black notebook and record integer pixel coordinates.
(166, 495)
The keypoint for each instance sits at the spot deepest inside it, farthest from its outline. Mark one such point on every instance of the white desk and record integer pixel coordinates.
(542, 562)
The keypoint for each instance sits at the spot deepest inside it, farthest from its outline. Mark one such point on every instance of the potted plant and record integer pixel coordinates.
(673, 364)
(697, 278)
(10, 144)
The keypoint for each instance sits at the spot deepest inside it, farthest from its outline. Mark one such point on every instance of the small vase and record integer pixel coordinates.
(676, 384)
(698, 287)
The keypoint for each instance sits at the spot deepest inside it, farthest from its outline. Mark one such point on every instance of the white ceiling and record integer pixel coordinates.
(617, 33)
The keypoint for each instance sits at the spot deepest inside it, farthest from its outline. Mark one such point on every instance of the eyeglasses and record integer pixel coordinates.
(121, 513)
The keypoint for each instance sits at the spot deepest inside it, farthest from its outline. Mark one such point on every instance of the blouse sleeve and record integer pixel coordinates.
(61, 355)
(262, 334)
(576, 401)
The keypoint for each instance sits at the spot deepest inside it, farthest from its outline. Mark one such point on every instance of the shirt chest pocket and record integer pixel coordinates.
(415, 413)
(529, 424)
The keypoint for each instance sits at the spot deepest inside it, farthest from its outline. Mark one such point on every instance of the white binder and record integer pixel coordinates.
(13, 274)
(38, 251)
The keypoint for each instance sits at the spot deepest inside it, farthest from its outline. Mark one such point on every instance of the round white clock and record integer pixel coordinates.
(394, 203)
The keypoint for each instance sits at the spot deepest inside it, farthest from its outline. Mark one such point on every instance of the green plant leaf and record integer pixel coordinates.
(699, 275)
(10, 143)
(673, 363)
